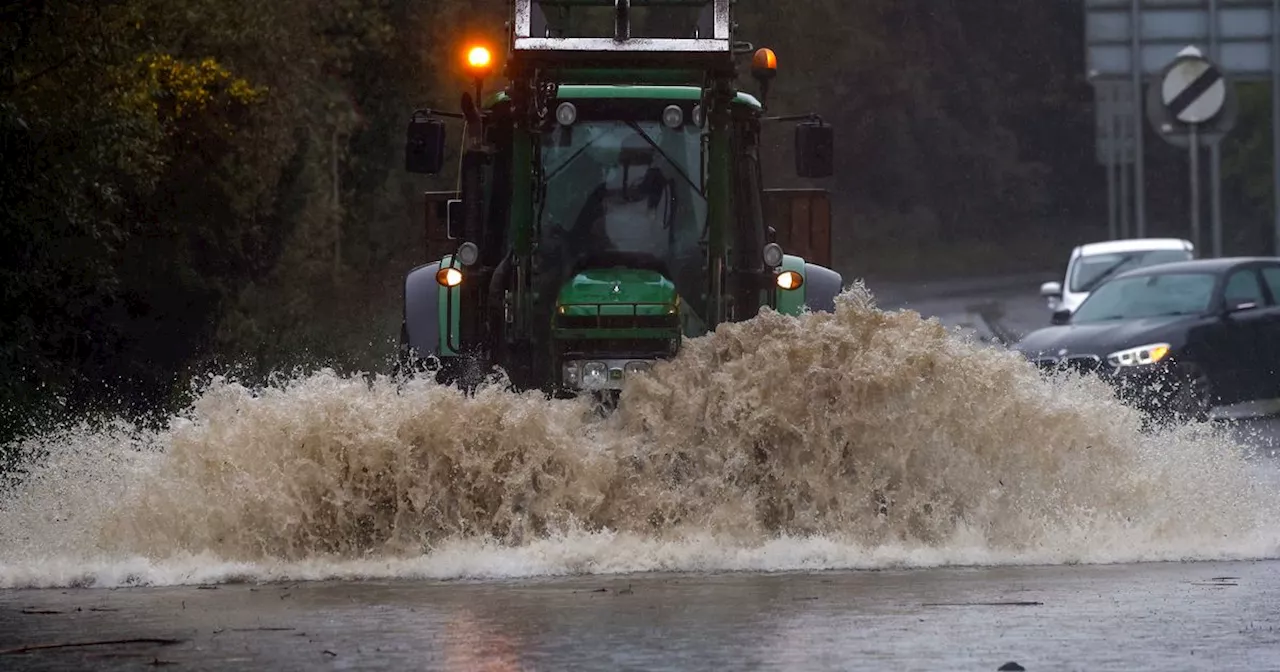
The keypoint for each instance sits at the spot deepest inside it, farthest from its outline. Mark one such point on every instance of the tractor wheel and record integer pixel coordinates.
(408, 363)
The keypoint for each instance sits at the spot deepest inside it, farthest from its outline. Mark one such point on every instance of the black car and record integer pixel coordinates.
(1176, 338)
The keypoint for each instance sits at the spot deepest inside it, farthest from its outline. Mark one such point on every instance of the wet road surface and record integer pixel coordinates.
(997, 306)
(1169, 616)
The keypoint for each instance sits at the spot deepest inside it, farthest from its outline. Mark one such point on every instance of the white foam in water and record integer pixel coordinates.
(855, 440)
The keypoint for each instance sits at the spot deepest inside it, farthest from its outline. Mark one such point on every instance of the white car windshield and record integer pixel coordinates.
(1094, 269)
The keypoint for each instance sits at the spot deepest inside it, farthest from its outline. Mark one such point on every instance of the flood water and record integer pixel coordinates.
(836, 491)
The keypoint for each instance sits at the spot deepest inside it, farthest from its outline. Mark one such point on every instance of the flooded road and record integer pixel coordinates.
(793, 494)
(1164, 616)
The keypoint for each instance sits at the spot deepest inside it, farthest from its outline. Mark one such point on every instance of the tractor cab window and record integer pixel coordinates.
(623, 192)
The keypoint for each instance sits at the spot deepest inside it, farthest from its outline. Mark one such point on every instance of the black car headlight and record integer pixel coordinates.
(1139, 356)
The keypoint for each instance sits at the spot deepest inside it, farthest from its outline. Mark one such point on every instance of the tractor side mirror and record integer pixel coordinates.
(424, 145)
(815, 149)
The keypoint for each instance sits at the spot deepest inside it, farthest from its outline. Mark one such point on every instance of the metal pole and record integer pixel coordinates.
(1215, 149)
(1275, 120)
(1139, 169)
(1125, 154)
(1215, 204)
(1112, 140)
(1195, 185)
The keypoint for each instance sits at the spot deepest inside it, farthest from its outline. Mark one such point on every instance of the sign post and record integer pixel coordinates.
(1139, 166)
(1275, 121)
(1193, 96)
(1193, 91)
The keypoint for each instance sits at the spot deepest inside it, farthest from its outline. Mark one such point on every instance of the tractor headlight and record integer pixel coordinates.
(789, 280)
(449, 277)
(673, 116)
(638, 367)
(595, 374)
(569, 373)
(772, 255)
(468, 253)
(1143, 354)
(566, 113)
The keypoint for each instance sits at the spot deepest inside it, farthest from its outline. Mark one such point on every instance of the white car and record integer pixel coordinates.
(1094, 263)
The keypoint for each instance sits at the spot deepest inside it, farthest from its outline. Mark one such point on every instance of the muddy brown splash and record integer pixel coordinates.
(842, 434)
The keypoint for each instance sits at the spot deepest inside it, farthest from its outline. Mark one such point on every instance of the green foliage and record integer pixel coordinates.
(1248, 163)
(179, 179)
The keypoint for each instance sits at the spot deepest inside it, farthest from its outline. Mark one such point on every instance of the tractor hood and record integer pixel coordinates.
(617, 291)
(614, 322)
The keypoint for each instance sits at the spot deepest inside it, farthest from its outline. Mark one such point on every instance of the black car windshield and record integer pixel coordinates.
(1094, 269)
(1147, 296)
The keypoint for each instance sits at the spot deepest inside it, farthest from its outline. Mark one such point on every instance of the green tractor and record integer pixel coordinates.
(610, 202)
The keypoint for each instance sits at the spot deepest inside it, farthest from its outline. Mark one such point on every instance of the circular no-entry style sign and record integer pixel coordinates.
(1194, 90)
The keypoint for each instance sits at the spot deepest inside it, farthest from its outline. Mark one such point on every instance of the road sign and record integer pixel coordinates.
(1193, 97)
(1193, 90)
(1134, 40)
(1177, 133)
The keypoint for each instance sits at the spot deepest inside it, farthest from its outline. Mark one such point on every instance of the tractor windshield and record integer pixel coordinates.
(623, 190)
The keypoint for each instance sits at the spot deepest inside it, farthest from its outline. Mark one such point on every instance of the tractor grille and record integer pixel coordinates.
(617, 321)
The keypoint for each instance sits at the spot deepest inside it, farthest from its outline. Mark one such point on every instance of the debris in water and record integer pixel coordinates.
(104, 642)
(1011, 667)
(984, 604)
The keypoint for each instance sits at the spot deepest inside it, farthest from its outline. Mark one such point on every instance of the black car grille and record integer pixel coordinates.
(1075, 363)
